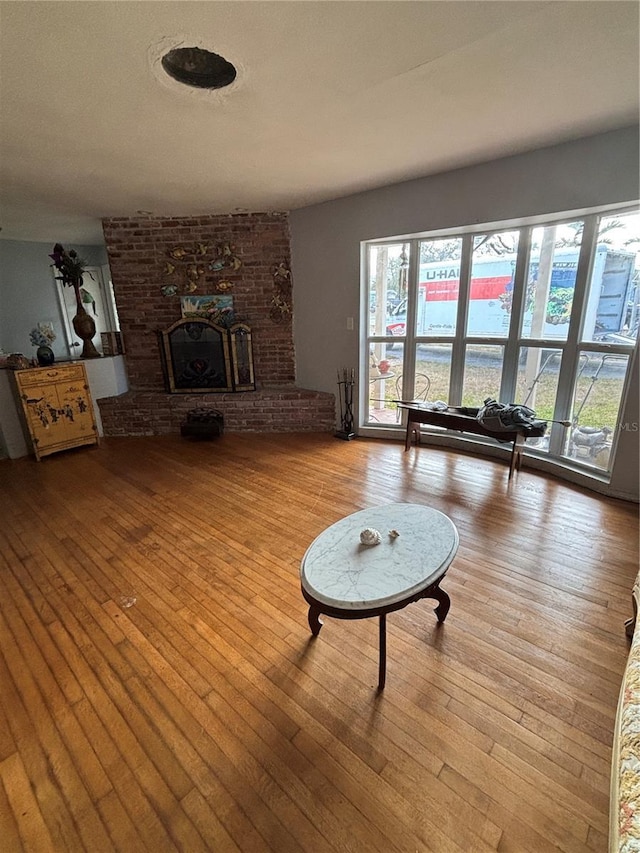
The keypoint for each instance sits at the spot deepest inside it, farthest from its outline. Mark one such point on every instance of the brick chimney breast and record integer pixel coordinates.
(139, 251)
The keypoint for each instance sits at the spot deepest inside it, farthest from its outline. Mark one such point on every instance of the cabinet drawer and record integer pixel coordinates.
(42, 375)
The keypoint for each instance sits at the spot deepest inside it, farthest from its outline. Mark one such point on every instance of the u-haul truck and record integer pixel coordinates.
(611, 308)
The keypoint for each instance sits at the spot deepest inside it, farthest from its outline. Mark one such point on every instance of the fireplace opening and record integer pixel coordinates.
(201, 357)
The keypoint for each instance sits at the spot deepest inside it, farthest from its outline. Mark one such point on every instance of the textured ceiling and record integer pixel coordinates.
(330, 98)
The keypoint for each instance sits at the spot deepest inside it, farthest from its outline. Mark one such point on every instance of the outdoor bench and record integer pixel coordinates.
(454, 418)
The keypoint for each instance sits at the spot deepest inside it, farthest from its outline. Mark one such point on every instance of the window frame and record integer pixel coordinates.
(571, 348)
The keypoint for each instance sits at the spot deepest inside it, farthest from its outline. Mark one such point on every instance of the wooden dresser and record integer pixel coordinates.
(57, 407)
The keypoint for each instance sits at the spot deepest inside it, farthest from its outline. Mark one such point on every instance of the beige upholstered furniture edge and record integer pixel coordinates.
(624, 810)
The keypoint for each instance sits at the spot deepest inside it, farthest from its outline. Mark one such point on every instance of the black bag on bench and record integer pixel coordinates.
(508, 417)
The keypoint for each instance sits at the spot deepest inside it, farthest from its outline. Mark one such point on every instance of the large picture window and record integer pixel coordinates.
(544, 314)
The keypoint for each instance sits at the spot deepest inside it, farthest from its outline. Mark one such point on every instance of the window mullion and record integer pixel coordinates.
(363, 398)
(511, 351)
(409, 364)
(569, 363)
(459, 341)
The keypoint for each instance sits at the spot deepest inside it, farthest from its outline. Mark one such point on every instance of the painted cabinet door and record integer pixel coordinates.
(41, 406)
(57, 407)
(75, 410)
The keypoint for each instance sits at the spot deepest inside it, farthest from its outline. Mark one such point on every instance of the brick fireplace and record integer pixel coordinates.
(142, 266)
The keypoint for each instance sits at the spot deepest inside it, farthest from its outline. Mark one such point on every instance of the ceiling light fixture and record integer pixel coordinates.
(197, 67)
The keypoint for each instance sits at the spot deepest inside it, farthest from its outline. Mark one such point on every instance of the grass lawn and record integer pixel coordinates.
(483, 380)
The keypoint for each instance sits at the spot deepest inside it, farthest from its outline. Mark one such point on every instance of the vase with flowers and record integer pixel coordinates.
(42, 336)
(71, 268)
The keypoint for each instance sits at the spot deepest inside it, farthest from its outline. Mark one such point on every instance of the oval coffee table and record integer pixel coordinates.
(342, 578)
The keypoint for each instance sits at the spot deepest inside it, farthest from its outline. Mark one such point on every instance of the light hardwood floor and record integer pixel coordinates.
(159, 689)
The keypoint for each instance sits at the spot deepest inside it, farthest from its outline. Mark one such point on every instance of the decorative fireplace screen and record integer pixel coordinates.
(200, 357)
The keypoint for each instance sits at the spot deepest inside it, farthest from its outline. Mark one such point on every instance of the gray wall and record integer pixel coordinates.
(325, 241)
(28, 293)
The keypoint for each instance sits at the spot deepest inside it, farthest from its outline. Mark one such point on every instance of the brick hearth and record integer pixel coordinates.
(138, 256)
(155, 413)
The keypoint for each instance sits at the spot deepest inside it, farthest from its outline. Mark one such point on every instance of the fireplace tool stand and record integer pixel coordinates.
(346, 381)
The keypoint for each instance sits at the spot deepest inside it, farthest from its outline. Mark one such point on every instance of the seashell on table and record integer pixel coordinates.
(370, 536)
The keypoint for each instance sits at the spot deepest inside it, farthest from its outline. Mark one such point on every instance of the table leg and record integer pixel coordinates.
(413, 429)
(314, 621)
(520, 442)
(516, 454)
(444, 603)
(382, 666)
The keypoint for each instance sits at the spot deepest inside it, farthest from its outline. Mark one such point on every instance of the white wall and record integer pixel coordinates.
(325, 241)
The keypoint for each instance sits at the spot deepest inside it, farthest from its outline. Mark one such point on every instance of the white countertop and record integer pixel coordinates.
(339, 571)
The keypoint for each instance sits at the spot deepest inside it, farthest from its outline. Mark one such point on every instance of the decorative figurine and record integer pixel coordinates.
(194, 272)
(281, 300)
(279, 307)
(226, 260)
(281, 273)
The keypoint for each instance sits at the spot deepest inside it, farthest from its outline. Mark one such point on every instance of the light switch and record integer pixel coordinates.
(350, 324)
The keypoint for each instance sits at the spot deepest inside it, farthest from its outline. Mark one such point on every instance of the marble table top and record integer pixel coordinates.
(339, 571)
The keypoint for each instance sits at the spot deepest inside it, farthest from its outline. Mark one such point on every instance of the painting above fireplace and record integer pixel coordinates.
(201, 357)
